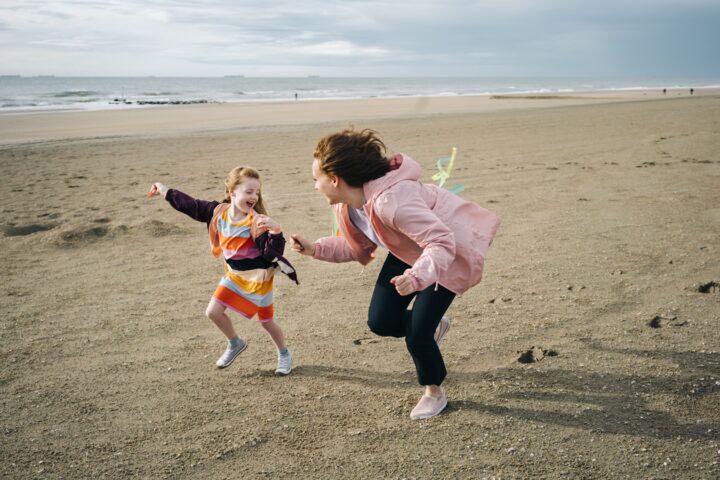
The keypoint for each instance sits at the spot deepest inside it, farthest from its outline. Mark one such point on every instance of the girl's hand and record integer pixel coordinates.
(157, 188)
(265, 222)
(403, 284)
(302, 245)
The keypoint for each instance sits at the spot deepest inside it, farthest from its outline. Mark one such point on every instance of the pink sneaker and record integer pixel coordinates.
(429, 406)
(442, 329)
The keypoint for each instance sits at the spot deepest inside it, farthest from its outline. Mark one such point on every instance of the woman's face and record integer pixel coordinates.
(325, 184)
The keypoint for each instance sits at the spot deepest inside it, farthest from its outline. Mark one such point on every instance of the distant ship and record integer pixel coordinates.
(234, 76)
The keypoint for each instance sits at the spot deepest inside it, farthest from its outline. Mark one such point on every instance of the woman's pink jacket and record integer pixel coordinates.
(442, 236)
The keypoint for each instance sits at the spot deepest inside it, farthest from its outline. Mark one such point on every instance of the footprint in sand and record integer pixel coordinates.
(23, 230)
(695, 160)
(709, 287)
(659, 321)
(77, 236)
(535, 354)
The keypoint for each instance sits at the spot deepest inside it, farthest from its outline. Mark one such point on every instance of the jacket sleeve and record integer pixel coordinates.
(274, 247)
(200, 210)
(403, 209)
(333, 249)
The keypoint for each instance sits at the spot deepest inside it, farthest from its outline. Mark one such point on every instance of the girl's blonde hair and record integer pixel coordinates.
(236, 177)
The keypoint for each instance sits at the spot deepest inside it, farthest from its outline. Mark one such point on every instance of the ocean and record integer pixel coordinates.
(26, 94)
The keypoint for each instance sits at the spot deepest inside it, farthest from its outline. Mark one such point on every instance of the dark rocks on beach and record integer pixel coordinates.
(123, 101)
(170, 102)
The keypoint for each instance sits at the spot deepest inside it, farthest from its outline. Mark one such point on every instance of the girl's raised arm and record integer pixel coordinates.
(200, 210)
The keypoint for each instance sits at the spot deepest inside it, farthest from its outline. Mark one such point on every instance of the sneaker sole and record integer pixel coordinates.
(425, 417)
(282, 373)
(233, 358)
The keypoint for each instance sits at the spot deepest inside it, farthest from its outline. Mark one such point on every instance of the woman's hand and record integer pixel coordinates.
(302, 245)
(404, 284)
(265, 222)
(157, 188)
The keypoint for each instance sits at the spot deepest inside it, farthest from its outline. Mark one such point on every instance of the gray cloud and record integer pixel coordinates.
(452, 37)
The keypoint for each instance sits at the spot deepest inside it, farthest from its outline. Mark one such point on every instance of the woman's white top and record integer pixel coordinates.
(361, 221)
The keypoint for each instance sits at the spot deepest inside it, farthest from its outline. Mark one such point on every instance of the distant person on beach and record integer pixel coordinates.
(251, 245)
(692, 91)
(436, 245)
(295, 96)
(664, 91)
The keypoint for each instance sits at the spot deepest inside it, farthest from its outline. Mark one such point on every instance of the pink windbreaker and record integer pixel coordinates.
(442, 236)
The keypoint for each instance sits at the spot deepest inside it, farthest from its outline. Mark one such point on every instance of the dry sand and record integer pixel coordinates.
(611, 210)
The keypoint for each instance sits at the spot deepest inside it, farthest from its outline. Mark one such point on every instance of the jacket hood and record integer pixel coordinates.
(402, 168)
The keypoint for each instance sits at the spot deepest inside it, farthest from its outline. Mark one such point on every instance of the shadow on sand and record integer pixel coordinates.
(603, 403)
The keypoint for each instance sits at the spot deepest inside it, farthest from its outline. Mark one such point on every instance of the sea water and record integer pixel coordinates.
(19, 93)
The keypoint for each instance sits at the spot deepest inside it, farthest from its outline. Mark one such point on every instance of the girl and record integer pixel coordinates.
(437, 244)
(252, 245)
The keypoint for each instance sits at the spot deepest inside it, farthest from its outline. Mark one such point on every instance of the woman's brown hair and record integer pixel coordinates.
(356, 157)
(236, 177)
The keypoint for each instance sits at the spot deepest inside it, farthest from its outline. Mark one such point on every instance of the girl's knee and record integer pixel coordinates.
(213, 310)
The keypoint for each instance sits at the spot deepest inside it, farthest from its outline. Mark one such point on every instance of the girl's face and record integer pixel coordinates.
(325, 184)
(245, 195)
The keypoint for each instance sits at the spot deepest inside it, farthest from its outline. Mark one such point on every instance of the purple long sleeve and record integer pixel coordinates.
(200, 210)
(274, 246)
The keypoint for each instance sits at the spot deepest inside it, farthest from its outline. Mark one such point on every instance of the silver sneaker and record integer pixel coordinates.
(284, 365)
(442, 329)
(230, 354)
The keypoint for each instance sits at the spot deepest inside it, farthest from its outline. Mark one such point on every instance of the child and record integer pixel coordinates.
(252, 245)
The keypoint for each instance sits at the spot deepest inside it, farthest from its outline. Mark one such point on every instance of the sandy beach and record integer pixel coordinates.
(590, 350)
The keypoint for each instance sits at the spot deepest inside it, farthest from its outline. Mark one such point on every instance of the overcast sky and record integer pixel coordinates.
(360, 38)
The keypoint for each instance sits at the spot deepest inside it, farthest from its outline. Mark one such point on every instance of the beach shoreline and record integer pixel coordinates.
(54, 125)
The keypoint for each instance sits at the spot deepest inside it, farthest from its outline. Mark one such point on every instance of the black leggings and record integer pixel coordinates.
(388, 315)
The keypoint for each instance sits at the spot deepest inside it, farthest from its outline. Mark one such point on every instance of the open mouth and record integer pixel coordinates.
(250, 205)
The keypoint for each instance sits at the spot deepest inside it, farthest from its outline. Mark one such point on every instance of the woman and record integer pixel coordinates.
(436, 242)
